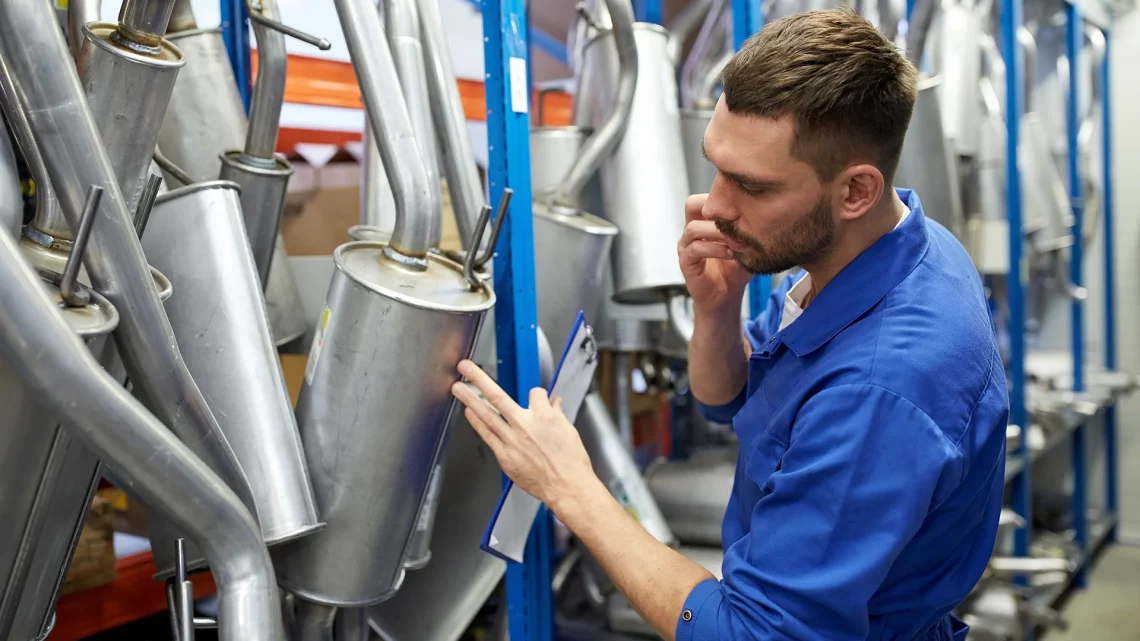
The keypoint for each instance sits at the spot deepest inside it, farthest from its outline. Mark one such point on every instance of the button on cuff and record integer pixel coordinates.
(699, 616)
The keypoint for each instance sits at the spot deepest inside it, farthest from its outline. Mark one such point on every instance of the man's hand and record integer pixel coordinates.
(537, 447)
(713, 277)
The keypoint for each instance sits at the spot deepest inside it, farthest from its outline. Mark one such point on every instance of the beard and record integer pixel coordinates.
(808, 241)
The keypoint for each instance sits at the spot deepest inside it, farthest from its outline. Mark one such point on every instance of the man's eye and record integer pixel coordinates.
(750, 190)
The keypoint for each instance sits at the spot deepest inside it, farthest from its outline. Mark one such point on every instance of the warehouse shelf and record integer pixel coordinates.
(1100, 533)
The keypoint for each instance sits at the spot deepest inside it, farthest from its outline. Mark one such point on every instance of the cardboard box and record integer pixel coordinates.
(94, 562)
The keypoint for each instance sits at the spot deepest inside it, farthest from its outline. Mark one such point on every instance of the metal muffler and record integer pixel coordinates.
(693, 494)
(11, 198)
(219, 318)
(127, 92)
(700, 171)
(928, 163)
(377, 396)
(615, 467)
(262, 201)
(645, 200)
(440, 601)
(50, 480)
(369, 361)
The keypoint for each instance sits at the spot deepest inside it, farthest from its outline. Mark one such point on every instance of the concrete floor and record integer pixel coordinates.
(1109, 610)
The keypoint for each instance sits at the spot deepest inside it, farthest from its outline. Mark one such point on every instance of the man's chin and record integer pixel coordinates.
(758, 266)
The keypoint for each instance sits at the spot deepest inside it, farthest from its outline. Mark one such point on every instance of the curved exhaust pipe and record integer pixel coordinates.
(269, 90)
(605, 140)
(463, 182)
(47, 85)
(683, 24)
(921, 19)
(53, 360)
(392, 126)
(403, 26)
(702, 49)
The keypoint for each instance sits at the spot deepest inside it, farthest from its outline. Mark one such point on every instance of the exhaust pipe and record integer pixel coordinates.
(48, 87)
(463, 182)
(52, 359)
(606, 138)
(391, 125)
(403, 26)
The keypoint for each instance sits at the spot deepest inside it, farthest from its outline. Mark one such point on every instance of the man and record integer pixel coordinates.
(869, 398)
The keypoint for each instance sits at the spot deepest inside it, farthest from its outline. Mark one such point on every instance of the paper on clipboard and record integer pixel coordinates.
(510, 525)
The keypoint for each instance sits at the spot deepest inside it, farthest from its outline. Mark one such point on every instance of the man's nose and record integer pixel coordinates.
(718, 206)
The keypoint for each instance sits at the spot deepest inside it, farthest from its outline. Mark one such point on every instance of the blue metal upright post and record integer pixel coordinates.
(235, 33)
(1109, 285)
(747, 18)
(647, 11)
(1074, 38)
(529, 598)
(1011, 52)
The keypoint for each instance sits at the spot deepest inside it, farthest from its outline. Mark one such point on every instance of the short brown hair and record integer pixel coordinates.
(850, 91)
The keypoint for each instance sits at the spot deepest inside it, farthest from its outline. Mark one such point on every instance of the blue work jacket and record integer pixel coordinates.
(872, 454)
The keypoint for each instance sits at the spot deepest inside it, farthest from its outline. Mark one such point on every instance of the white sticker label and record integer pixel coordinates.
(518, 85)
(318, 343)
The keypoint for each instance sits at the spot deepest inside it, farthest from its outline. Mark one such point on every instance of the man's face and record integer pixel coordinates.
(771, 206)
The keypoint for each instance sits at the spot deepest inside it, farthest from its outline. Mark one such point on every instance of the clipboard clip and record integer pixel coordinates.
(589, 345)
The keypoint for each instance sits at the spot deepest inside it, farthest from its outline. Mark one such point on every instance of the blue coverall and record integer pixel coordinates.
(872, 454)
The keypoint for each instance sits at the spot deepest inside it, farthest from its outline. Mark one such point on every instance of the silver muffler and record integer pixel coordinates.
(645, 200)
(11, 197)
(397, 320)
(48, 357)
(48, 87)
(197, 238)
(440, 601)
(127, 89)
(928, 163)
(700, 171)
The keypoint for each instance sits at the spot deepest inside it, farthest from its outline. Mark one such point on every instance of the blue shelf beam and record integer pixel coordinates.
(529, 599)
(747, 18)
(647, 11)
(1074, 39)
(235, 34)
(1109, 282)
(549, 45)
(1011, 19)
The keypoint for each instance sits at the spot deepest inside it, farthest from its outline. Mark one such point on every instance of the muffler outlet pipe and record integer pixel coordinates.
(392, 126)
(33, 48)
(48, 225)
(606, 138)
(313, 621)
(144, 22)
(463, 182)
(408, 53)
(682, 26)
(702, 49)
(921, 19)
(262, 175)
(127, 92)
(53, 360)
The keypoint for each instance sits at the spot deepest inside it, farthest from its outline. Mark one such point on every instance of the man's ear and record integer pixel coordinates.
(862, 187)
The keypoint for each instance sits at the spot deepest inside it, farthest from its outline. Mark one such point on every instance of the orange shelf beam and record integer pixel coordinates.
(133, 595)
(332, 83)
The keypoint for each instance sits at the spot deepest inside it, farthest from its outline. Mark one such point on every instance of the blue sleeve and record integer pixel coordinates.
(863, 469)
(757, 331)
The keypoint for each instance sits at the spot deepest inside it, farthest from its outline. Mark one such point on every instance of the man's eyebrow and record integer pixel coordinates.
(751, 182)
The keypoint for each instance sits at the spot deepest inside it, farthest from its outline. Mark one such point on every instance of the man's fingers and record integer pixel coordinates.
(494, 394)
(486, 433)
(698, 252)
(480, 408)
(538, 398)
(694, 205)
(700, 230)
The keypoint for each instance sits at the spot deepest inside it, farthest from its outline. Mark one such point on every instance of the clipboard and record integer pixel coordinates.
(510, 525)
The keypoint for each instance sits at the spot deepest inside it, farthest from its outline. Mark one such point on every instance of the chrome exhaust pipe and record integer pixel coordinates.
(47, 85)
(403, 27)
(52, 360)
(392, 127)
(606, 138)
(463, 182)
